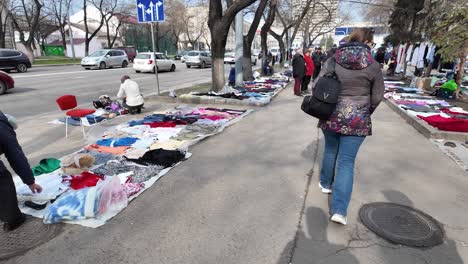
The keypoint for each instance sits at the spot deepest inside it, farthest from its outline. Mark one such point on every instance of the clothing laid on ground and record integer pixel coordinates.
(120, 142)
(160, 157)
(131, 92)
(139, 173)
(46, 166)
(111, 150)
(85, 179)
(362, 90)
(446, 124)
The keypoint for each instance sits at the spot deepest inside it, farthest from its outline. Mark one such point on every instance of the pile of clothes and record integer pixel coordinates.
(262, 90)
(93, 184)
(435, 111)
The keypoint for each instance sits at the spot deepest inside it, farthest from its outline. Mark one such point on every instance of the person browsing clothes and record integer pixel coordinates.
(130, 94)
(309, 70)
(10, 214)
(362, 90)
(299, 70)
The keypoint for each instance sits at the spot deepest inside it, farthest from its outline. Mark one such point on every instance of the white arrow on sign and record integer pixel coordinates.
(150, 10)
(158, 4)
(142, 7)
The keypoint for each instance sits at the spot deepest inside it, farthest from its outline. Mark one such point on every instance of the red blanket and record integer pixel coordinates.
(447, 124)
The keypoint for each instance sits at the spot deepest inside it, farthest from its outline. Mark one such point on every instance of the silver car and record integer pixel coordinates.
(198, 58)
(103, 59)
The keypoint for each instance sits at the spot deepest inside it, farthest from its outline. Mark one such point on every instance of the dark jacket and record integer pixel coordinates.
(10, 147)
(362, 90)
(299, 66)
(318, 58)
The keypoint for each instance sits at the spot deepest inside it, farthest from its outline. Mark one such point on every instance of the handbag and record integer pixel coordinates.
(322, 102)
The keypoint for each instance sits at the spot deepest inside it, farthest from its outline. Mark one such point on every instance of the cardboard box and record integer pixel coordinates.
(424, 83)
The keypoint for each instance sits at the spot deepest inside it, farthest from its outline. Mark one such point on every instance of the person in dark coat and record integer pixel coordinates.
(318, 57)
(299, 70)
(9, 146)
(362, 90)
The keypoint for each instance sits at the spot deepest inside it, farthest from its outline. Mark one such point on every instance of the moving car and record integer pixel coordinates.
(102, 59)
(198, 58)
(146, 61)
(13, 60)
(179, 55)
(6, 82)
(130, 51)
(230, 58)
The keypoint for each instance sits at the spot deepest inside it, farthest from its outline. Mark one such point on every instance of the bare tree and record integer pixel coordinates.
(195, 26)
(248, 39)
(266, 27)
(25, 15)
(378, 10)
(219, 21)
(115, 14)
(175, 10)
(287, 25)
(60, 13)
(99, 4)
(4, 25)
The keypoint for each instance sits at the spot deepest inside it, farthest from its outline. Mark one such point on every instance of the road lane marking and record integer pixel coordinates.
(63, 73)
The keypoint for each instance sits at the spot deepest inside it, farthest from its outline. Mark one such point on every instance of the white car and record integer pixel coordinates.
(230, 58)
(146, 62)
(103, 59)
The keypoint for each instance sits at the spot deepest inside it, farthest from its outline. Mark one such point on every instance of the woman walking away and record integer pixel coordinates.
(299, 70)
(362, 91)
(309, 70)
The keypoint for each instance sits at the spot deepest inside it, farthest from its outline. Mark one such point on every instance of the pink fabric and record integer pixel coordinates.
(132, 188)
(448, 111)
(213, 117)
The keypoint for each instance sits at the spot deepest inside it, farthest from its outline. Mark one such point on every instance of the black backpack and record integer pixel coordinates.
(322, 102)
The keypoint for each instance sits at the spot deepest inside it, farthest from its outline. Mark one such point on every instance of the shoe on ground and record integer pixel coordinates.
(337, 218)
(324, 190)
(7, 227)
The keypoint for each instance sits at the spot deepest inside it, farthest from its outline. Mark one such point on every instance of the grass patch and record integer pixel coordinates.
(49, 60)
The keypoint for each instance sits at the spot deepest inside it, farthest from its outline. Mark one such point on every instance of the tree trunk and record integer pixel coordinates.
(109, 43)
(29, 52)
(265, 28)
(282, 47)
(217, 55)
(461, 71)
(64, 41)
(247, 60)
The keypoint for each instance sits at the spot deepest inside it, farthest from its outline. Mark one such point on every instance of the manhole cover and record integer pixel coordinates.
(31, 234)
(402, 224)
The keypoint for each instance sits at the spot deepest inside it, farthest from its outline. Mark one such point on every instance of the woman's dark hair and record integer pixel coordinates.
(362, 35)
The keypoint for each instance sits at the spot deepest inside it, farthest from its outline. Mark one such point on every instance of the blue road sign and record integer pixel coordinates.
(150, 11)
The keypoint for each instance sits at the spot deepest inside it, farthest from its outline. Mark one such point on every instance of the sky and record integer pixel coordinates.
(355, 14)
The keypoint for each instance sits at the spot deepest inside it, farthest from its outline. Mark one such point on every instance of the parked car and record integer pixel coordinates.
(102, 59)
(274, 51)
(145, 62)
(198, 58)
(6, 82)
(130, 51)
(179, 55)
(230, 58)
(14, 60)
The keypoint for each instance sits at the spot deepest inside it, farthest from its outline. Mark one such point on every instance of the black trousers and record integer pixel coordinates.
(305, 83)
(9, 211)
(317, 70)
(132, 109)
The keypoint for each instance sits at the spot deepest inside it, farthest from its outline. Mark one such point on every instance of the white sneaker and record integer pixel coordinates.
(324, 190)
(337, 218)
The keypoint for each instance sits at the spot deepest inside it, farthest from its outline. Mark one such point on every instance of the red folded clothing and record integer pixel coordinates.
(161, 124)
(448, 111)
(447, 124)
(85, 179)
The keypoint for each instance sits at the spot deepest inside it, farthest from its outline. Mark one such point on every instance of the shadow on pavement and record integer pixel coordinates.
(315, 247)
(444, 253)
(18, 91)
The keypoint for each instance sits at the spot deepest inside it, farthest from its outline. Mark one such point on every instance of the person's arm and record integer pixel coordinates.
(121, 94)
(378, 89)
(14, 154)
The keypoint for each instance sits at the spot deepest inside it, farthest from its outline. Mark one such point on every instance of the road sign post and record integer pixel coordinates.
(150, 11)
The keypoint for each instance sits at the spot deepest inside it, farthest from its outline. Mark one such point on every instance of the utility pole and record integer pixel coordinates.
(155, 59)
(239, 49)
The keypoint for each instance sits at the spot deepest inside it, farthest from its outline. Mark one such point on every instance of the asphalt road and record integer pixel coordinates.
(37, 90)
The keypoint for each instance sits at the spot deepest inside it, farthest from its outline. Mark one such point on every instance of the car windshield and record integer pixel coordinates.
(143, 56)
(229, 55)
(98, 53)
(274, 50)
(193, 53)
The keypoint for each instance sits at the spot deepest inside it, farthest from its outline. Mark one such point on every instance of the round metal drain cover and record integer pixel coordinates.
(31, 234)
(402, 224)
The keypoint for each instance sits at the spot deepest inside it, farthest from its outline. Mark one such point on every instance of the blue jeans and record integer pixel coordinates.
(340, 153)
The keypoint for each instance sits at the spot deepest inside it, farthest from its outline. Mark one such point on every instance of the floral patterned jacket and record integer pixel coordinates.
(362, 90)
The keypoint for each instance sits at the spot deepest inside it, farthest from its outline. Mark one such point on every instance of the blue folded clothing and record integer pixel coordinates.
(120, 142)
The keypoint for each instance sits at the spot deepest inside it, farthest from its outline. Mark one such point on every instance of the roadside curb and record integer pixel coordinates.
(54, 65)
(425, 129)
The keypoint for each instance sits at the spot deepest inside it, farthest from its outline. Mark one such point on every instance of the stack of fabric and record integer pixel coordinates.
(96, 182)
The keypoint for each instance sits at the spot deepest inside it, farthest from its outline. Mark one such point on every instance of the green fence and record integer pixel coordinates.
(54, 50)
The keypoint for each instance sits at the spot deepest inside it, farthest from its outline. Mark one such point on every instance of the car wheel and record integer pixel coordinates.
(188, 66)
(137, 71)
(203, 65)
(87, 68)
(173, 68)
(22, 67)
(124, 64)
(102, 65)
(3, 87)
(7, 71)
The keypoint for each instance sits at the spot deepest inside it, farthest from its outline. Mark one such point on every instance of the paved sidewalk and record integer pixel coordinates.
(239, 198)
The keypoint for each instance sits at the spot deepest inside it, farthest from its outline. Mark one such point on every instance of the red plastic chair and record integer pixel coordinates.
(68, 102)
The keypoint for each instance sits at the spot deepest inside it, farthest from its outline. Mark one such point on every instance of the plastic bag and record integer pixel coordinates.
(103, 201)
